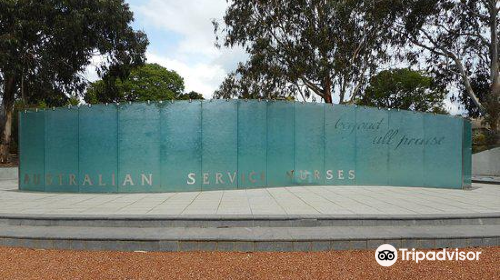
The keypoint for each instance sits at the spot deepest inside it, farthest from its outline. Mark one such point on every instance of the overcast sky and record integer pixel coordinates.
(182, 39)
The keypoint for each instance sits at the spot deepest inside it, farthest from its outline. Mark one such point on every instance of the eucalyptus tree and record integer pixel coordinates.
(319, 47)
(146, 82)
(459, 41)
(404, 89)
(46, 45)
(247, 84)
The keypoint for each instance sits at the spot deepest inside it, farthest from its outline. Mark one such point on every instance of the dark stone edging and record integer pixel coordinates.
(249, 220)
(249, 246)
(489, 182)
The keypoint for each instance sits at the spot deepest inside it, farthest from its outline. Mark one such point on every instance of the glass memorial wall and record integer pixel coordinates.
(238, 144)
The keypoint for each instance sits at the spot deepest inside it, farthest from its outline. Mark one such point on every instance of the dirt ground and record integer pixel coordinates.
(17, 263)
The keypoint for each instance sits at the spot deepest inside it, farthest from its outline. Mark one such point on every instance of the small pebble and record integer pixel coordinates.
(21, 263)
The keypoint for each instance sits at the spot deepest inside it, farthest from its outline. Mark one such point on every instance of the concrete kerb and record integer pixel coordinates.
(249, 220)
(246, 246)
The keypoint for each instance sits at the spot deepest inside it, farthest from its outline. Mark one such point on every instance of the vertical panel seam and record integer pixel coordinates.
(237, 144)
(201, 145)
(324, 142)
(160, 145)
(267, 143)
(267, 127)
(462, 153)
(78, 144)
(294, 142)
(19, 149)
(389, 179)
(117, 147)
(44, 147)
(424, 151)
(356, 109)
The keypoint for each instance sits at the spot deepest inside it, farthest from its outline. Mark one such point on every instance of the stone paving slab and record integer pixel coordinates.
(284, 201)
(312, 218)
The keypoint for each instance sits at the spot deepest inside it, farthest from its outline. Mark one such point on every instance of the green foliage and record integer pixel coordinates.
(148, 82)
(190, 95)
(249, 85)
(46, 45)
(404, 89)
(483, 139)
(458, 40)
(305, 47)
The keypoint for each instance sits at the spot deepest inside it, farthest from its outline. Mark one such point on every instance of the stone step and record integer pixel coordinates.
(247, 239)
(206, 221)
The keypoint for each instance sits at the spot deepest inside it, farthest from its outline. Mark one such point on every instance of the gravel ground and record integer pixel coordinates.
(16, 263)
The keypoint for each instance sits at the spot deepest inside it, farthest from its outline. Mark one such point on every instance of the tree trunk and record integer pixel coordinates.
(328, 98)
(493, 105)
(327, 90)
(342, 91)
(8, 107)
(466, 81)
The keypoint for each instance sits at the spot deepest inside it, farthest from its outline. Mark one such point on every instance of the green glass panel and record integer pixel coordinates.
(280, 143)
(208, 145)
(98, 149)
(371, 146)
(32, 151)
(309, 144)
(340, 145)
(139, 148)
(220, 145)
(61, 150)
(252, 143)
(467, 154)
(442, 152)
(181, 146)
(406, 148)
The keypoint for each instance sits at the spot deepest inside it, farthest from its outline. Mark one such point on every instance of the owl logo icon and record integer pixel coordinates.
(386, 255)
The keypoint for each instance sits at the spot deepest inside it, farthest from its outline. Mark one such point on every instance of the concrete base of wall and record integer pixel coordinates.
(486, 163)
(8, 173)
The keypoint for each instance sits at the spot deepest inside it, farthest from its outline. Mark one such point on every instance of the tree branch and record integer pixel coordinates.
(312, 86)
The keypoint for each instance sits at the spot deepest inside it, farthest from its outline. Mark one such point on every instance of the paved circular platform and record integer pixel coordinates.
(277, 219)
(310, 200)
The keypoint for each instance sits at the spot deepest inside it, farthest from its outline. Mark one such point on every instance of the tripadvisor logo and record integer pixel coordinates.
(387, 255)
